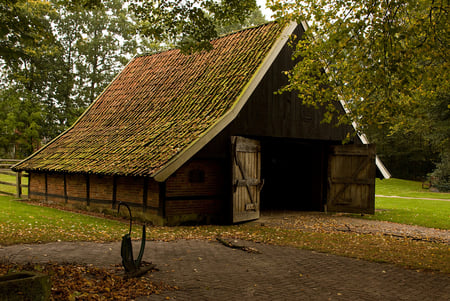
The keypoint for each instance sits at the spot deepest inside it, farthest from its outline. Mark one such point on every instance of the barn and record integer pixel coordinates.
(204, 138)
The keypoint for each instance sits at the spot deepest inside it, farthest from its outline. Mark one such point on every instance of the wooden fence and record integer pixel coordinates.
(5, 168)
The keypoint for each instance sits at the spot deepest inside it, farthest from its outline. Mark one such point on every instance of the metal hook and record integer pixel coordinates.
(129, 211)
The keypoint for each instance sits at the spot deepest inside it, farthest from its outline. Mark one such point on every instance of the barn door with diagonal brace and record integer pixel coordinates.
(246, 178)
(351, 178)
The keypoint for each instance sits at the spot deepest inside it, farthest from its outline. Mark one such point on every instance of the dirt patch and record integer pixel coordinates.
(326, 223)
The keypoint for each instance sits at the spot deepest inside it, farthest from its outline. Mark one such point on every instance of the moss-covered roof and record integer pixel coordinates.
(156, 107)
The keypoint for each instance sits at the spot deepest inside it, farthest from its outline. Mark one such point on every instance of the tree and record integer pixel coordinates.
(255, 18)
(106, 41)
(30, 57)
(191, 23)
(56, 58)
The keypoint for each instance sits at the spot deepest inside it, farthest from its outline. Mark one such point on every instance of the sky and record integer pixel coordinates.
(266, 12)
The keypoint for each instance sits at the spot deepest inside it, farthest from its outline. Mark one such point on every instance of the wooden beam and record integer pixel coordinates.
(114, 196)
(145, 194)
(19, 184)
(29, 185)
(162, 199)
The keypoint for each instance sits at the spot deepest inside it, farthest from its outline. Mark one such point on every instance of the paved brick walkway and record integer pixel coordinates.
(207, 270)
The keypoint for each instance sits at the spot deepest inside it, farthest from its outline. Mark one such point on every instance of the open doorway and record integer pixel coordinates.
(294, 173)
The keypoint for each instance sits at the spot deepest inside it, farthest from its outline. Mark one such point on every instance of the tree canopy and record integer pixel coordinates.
(56, 57)
(386, 60)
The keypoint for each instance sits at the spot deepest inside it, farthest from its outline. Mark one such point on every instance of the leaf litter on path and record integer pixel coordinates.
(73, 281)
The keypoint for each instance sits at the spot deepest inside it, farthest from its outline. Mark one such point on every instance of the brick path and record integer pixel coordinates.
(207, 270)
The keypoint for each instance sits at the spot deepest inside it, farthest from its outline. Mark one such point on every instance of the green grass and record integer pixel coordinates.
(12, 179)
(24, 223)
(427, 213)
(406, 188)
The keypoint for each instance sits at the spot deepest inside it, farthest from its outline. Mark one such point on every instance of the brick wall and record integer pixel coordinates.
(37, 186)
(179, 184)
(55, 188)
(101, 189)
(130, 190)
(198, 187)
(76, 189)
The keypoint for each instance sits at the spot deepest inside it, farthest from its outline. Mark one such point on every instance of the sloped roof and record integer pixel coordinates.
(162, 108)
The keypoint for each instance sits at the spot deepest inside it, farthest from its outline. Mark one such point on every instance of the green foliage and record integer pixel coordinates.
(100, 41)
(255, 18)
(56, 58)
(384, 58)
(440, 178)
(191, 24)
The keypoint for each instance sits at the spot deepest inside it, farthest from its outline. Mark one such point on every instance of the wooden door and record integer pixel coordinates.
(246, 178)
(351, 179)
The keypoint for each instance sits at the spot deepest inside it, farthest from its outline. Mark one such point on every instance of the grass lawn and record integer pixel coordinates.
(406, 188)
(12, 180)
(24, 223)
(427, 213)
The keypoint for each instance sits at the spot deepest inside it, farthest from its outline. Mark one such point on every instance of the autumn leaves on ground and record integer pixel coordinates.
(22, 222)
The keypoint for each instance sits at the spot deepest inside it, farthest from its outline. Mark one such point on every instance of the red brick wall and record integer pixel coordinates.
(55, 188)
(130, 190)
(182, 197)
(187, 197)
(37, 186)
(202, 207)
(101, 188)
(179, 185)
(76, 188)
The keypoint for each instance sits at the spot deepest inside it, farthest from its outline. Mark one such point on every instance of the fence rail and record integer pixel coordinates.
(5, 169)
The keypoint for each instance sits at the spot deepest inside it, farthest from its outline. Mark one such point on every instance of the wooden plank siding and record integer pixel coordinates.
(246, 181)
(351, 178)
(269, 114)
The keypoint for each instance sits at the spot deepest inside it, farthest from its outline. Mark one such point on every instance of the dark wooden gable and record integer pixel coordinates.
(269, 114)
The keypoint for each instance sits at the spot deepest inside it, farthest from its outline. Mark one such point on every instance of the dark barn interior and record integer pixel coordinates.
(293, 179)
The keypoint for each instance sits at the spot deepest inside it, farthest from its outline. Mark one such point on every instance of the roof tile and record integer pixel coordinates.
(157, 106)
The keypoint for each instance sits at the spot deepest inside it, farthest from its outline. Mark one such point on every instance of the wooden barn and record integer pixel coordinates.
(204, 138)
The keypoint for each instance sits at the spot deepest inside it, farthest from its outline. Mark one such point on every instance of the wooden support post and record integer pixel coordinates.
(162, 199)
(114, 196)
(19, 184)
(144, 196)
(29, 185)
